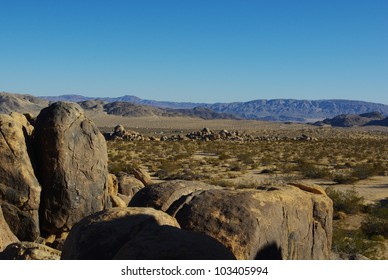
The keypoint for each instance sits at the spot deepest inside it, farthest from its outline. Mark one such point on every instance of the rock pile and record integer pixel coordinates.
(52, 174)
(119, 133)
(205, 134)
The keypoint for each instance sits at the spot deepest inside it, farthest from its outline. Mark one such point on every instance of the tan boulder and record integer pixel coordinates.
(113, 184)
(19, 188)
(128, 184)
(6, 235)
(29, 251)
(142, 176)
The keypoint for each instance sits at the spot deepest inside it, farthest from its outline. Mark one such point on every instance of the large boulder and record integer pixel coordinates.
(101, 235)
(19, 188)
(6, 235)
(72, 160)
(288, 222)
(29, 251)
(168, 196)
(171, 243)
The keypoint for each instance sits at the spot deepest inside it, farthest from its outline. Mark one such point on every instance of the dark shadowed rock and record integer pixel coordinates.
(29, 251)
(171, 243)
(6, 235)
(19, 188)
(72, 160)
(167, 196)
(101, 235)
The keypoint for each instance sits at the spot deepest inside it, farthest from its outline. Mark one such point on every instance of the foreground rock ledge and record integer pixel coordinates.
(289, 222)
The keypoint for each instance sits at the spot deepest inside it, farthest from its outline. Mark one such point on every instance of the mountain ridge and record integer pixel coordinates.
(261, 109)
(298, 110)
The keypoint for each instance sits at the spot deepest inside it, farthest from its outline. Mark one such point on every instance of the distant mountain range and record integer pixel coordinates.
(261, 109)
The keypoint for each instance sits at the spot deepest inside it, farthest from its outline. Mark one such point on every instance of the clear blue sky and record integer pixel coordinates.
(194, 50)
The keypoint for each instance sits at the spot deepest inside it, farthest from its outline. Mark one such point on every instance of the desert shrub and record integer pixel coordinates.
(348, 201)
(376, 223)
(364, 171)
(236, 167)
(221, 182)
(310, 170)
(167, 170)
(224, 156)
(354, 242)
(343, 178)
(246, 158)
(374, 226)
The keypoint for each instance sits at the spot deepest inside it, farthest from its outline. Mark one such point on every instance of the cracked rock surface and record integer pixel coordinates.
(72, 159)
(19, 188)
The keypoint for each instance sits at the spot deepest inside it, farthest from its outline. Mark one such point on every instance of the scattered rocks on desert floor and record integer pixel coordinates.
(205, 134)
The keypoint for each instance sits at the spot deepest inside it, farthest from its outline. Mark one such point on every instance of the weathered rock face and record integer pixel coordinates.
(169, 196)
(142, 176)
(72, 159)
(6, 235)
(113, 184)
(101, 235)
(19, 188)
(128, 185)
(171, 243)
(279, 223)
(29, 251)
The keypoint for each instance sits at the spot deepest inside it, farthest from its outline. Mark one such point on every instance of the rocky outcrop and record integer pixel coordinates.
(72, 160)
(19, 188)
(143, 176)
(349, 120)
(101, 235)
(119, 133)
(6, 235)
(171, 243)
(29, 251)
(276, 223)
(128, 185)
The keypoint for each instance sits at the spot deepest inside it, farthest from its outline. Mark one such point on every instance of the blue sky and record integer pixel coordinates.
(194, 50)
